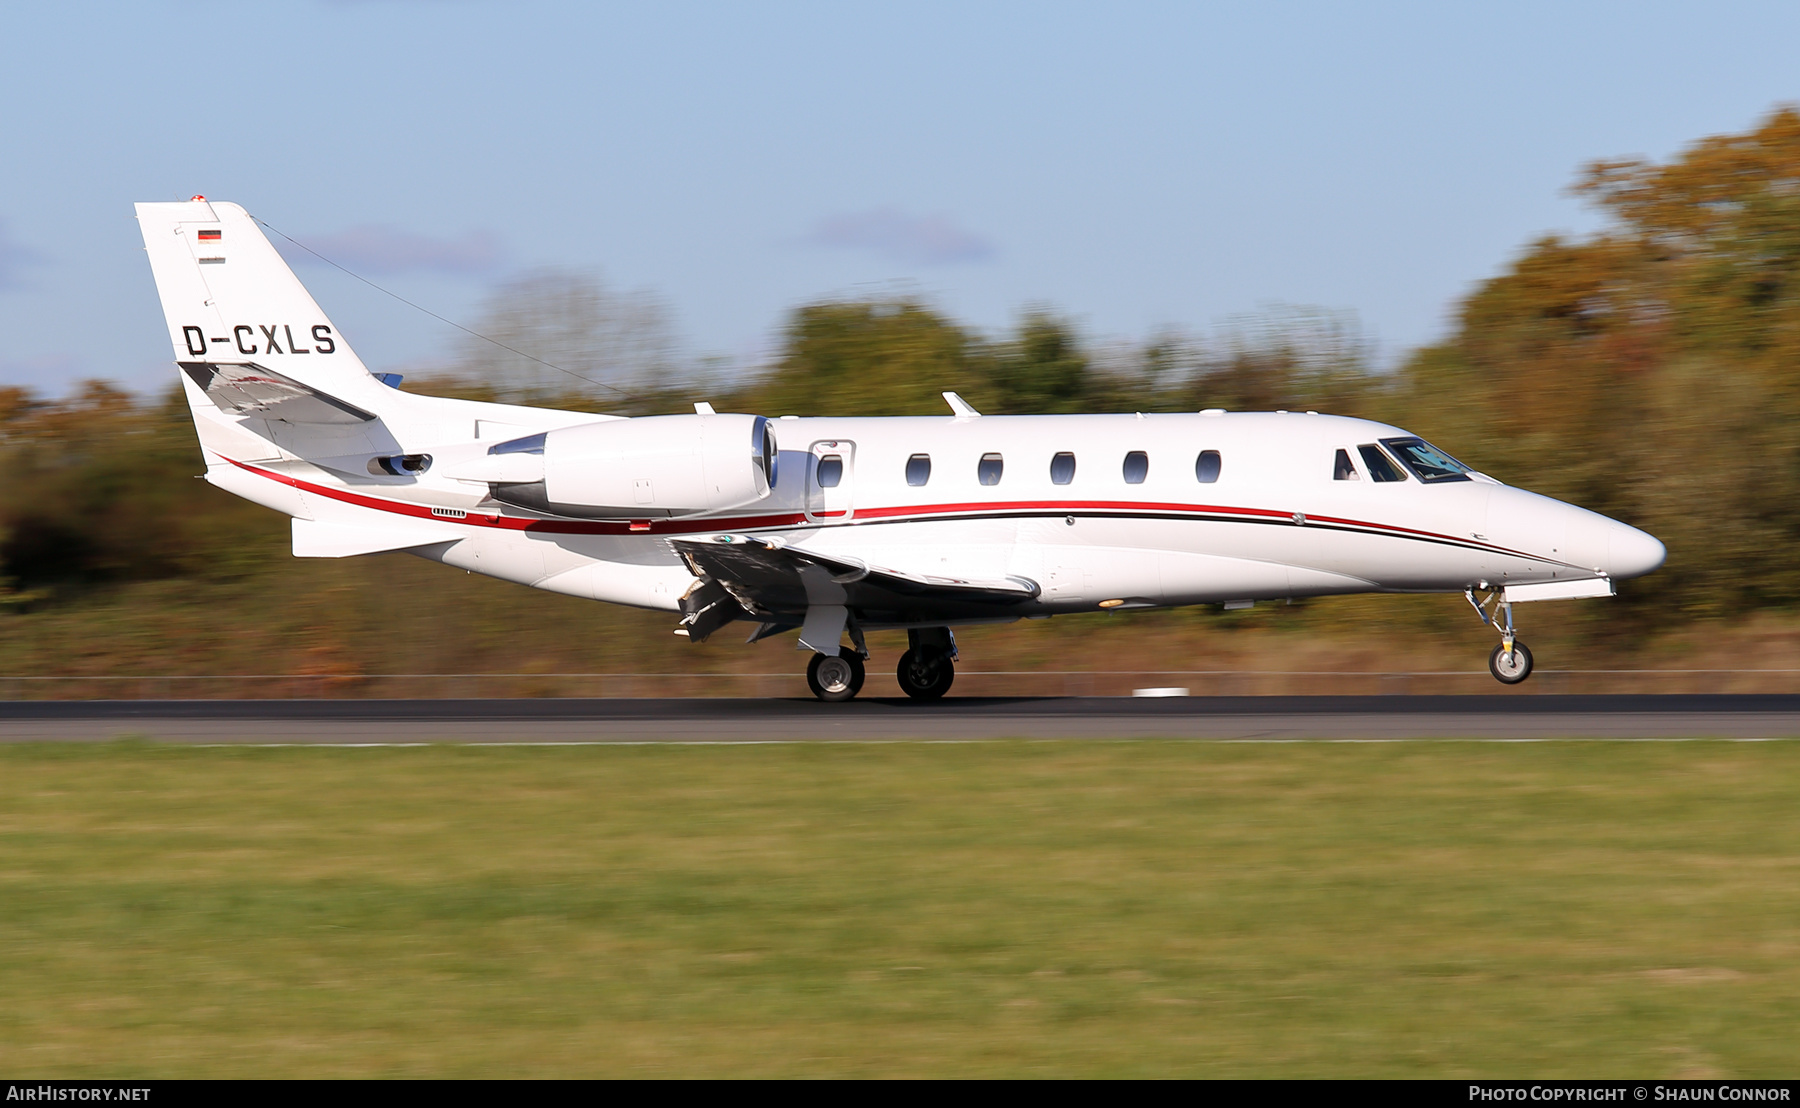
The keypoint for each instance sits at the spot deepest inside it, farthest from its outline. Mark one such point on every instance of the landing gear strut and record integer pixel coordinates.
(835, 678)
(928, 667)
(1510, 663)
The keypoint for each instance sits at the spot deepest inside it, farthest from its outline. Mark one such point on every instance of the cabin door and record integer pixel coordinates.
(831, 481)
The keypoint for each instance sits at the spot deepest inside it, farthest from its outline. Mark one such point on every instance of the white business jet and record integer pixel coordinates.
(837, 527)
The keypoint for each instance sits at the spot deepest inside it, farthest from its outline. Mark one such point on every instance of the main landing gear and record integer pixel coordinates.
(836, 677)
(926, 670)
(925, 674)
(1510, 663)
(928, 667)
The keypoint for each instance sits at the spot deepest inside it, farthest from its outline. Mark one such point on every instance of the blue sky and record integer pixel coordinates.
(1137, 166)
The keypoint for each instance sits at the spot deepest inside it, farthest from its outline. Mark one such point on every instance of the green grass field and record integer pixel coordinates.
(1013, 908)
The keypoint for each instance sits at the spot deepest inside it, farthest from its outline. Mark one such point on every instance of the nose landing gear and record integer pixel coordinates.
(1510, 663)
(1510, 667)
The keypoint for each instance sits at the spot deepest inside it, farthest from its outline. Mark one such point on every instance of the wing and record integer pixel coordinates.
(747, 578)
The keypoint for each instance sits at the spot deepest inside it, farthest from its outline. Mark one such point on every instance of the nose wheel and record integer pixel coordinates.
(1510, 663)
(1510, 667)
(835, 678)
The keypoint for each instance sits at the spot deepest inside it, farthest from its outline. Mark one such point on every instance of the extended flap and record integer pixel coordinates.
(770, 578)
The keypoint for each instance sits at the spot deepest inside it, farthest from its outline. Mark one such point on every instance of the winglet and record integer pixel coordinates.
(960, 406)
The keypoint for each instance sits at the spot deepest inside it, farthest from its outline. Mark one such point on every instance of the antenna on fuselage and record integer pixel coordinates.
(960, 406)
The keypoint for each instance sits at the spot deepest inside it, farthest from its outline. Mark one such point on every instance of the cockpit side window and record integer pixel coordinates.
(1427, 462)
(1343, 469)
(1381, 467)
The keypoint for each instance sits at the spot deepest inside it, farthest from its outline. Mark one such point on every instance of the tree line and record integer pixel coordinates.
(1650, 371)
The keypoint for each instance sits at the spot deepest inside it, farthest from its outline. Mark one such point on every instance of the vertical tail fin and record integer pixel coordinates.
(229, 298)
(266, 374)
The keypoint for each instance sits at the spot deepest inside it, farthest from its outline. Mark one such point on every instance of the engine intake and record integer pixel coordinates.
(646, 467)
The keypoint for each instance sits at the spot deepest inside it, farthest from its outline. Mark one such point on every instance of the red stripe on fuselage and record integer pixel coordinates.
(894, 514)
(1270, 514)
(518, 523)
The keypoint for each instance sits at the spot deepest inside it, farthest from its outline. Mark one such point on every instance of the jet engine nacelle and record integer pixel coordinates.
(646, 467)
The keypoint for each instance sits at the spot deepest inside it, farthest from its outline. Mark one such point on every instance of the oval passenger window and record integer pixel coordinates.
(1062, 468)
(1137, 467)
(1206, 467)
(918, 469)
(990, 467)
(831, 471)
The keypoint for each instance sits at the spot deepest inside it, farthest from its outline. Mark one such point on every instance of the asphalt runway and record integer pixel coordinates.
(723, 720)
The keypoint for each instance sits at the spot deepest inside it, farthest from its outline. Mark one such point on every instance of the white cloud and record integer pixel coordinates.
(15, 258)
(897, 236)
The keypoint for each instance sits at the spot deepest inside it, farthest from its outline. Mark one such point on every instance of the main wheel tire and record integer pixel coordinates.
(858, 671)
(925, 674)
(1510, 669)
(835, 678)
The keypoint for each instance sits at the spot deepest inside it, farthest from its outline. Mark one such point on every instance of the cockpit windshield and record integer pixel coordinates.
(1427, 462)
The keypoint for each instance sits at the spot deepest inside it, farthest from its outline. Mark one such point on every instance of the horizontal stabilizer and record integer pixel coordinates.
(247, 389)
(313, 539)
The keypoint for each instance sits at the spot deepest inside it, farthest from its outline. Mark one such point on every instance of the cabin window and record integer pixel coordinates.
(1427, 462)
(1137, 467)
(1206, 467)
(990, 467)
(1343, 469)
(918, 469)
(1062, 468)
(831, 471)
(1381, 467)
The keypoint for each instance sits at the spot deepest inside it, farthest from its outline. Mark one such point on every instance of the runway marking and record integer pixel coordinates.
(399, 724)
(252, 745)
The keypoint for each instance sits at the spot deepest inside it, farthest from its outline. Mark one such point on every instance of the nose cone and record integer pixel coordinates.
(1631, 552)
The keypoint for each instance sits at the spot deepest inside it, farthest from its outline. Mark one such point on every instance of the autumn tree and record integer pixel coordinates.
(1651, 371)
